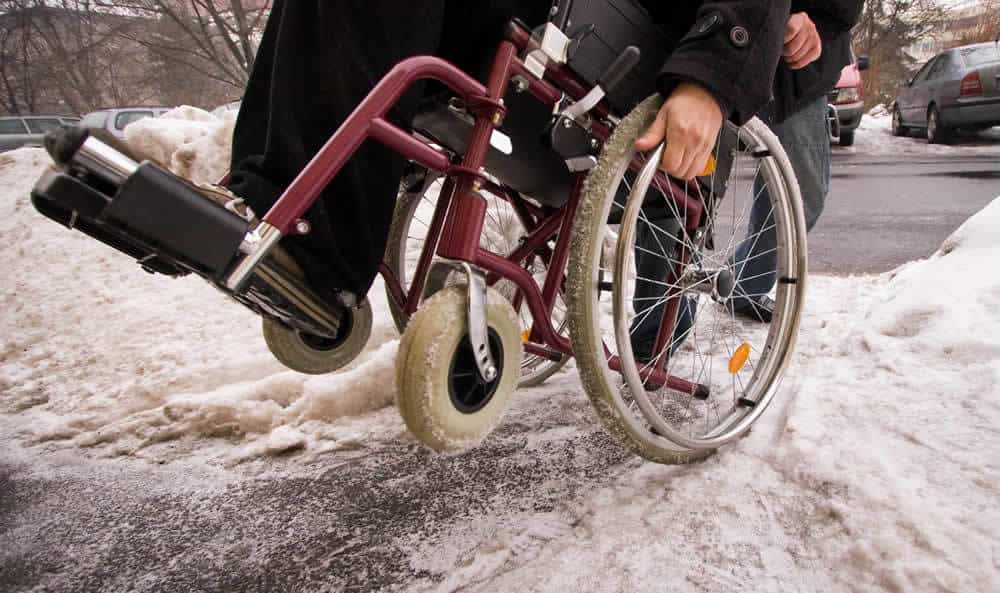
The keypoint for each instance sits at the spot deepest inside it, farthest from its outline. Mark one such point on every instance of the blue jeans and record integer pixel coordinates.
(807, 143)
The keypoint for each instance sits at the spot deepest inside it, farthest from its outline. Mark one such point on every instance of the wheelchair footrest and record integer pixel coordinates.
(170, 214)
(153, 217)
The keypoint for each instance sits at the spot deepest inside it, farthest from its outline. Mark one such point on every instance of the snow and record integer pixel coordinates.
(879, 471)
(876, 471)
(874, 137)
(191, 142)
(95, 353)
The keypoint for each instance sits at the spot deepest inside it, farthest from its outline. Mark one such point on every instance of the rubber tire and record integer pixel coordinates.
(847, 138)
(582, 280)
(401, 217)
(397, 229)
(287, 346)
(939, 134)
(423, 367)
(899, 130)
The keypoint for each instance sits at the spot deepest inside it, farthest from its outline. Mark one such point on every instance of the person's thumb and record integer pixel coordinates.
(655, 134)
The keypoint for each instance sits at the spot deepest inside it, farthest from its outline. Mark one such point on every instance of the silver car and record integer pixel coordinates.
(115, 120)
(28, 130)
(958, 88)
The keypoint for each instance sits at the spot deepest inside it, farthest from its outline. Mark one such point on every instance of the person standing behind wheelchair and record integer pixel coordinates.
(816, 48)
(319, 59)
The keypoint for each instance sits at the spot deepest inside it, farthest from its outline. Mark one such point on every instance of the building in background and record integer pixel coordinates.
(967, 21)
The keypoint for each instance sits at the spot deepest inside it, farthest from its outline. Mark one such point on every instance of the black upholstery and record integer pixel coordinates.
(601, 30)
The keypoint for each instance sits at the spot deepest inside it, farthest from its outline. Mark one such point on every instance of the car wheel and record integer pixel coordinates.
(937, 132)
(898, 129)
(847, 138)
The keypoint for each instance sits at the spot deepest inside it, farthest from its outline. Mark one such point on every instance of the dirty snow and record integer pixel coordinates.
(874, 137)
(191, 142)
(878, 471)
(95, 353)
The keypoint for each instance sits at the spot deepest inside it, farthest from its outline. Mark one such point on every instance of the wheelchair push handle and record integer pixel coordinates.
(619, 69)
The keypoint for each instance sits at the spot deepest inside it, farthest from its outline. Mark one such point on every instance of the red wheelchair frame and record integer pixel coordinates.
(458, 220)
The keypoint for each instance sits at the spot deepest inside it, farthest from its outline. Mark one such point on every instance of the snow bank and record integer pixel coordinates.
(95, 353)
(874, 136)
(192, 142)
(877, 471)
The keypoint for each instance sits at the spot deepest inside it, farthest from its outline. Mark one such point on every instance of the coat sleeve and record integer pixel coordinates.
(732, 49)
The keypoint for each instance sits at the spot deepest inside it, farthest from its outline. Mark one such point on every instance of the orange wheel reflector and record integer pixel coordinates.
(709, 166)
(525, 335)
(739, 359)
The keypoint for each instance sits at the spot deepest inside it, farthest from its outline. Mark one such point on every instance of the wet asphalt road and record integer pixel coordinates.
(343, 524)
(884, 211)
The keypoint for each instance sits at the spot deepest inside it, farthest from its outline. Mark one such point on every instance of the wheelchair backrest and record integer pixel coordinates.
(600, 30)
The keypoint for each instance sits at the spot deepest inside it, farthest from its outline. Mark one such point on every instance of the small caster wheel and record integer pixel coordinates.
(316, 355)
(443, 398)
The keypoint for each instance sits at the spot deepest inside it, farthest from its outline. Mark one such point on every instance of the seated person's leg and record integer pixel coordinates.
(318, 60)
(649, 302)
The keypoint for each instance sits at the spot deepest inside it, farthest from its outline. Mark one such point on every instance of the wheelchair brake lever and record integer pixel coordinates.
(606, 82)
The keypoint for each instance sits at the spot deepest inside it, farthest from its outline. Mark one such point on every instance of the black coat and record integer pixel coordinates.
(794, 89)
(733, 48)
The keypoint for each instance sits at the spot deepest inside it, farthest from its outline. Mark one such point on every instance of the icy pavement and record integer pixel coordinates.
(151, 443)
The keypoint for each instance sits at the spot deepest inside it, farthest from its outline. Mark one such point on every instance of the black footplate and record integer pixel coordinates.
(73, 204)
(164, 223)
(272, 291)
(153, 216)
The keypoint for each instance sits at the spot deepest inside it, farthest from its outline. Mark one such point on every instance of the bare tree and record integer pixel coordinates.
(886, 29)
(65, 55)
(987, 25)
(215, 39)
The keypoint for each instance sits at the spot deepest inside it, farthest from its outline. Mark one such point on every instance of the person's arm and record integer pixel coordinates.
(723, 67)
(731, 50)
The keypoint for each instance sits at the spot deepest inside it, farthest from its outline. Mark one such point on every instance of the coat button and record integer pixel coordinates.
(706, 24)
(739, 36)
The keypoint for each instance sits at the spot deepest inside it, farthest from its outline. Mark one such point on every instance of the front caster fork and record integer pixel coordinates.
(475, 309)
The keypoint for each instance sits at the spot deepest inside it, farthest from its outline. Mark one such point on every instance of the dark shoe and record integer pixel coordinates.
(759, 309)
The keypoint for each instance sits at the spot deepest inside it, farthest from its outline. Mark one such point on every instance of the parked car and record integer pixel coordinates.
(958, 88)
(847, 99)
(28, 130)
(115, 120)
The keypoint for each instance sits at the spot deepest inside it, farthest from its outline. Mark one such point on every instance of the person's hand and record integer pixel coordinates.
(803, 45)
(689, 122)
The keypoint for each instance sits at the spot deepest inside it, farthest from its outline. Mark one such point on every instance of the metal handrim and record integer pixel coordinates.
(761, 387)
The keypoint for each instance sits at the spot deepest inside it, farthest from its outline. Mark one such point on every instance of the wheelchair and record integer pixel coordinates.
(528, 232)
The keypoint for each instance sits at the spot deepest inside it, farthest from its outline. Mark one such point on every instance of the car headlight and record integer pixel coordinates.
(848, 95)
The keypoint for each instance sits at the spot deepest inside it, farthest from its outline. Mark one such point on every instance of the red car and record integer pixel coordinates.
(847, 103)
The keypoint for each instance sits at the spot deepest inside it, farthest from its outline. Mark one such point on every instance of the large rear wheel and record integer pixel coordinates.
(937, 131)
(669, 353)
